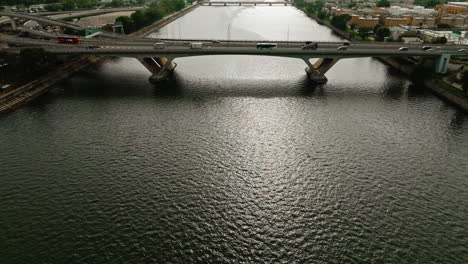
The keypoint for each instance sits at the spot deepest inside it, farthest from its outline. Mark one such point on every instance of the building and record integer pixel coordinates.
(363, 22)
(454, 8)
(338, 11)
(395, 21)
(454, 21)
(417, 10)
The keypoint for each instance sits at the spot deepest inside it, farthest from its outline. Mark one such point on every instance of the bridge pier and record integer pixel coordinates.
(316, 72)
(270, 4)
(13, 23)
(161, 68)
(441, 63)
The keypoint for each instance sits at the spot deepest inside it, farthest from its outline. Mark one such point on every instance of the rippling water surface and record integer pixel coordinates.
(237, 160)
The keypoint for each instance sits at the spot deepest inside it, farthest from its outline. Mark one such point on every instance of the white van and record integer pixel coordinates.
(159, 45)
(196, 45)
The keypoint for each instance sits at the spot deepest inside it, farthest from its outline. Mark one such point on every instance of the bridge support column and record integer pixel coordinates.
(161, 68)
(13, 23)
(270, 4)
(225, 4)
(441, 63)
(255, 4)
(316, 72)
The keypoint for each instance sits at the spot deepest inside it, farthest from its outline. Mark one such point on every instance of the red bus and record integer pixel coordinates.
(67, 40)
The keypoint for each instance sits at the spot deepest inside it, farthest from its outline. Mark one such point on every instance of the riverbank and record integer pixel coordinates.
(23, 94)
(28, 92)
(336, 30)
(441, 89)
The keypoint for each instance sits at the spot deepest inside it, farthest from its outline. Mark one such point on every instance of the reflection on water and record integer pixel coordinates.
(239, 159)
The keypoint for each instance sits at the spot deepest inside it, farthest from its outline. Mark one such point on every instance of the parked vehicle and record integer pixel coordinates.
(267, 46)
(342, 48)
(403, 49)
(216, 42)
(426, 47)
(346, 43)
(311, 46)
(159, 45)
(67, 40)
(196, 45)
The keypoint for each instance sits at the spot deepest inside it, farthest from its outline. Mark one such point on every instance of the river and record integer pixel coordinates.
(239, 159)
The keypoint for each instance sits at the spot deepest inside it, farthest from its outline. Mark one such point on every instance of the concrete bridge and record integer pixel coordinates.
(160, 61)
(49, 21)
(254, 3)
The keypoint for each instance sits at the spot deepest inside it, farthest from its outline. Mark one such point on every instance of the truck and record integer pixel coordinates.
(196, 45)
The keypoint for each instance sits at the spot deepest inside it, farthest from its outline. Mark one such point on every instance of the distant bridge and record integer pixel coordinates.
(225, 3)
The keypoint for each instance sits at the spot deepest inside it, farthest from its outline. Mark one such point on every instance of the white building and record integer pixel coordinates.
(398, 11)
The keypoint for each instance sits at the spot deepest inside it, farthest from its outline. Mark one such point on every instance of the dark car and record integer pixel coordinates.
(310, 46)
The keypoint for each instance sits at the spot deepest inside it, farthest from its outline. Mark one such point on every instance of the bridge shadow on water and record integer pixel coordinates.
(177, 86)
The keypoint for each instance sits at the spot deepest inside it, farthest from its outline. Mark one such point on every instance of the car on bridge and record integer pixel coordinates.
(403, 49)
(342, 48)
(159, 45)
(311, 46)
(67, 40)
(267, 46)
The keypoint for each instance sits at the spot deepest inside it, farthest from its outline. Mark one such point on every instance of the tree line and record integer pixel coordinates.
(29, 62)
(156, 11)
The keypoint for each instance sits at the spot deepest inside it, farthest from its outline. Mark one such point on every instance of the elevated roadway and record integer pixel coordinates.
(157, 59)
(225, 3)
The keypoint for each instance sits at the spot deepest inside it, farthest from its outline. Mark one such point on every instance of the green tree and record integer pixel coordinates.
(442, 25)
(381, 33)
(116, 3)
(383, 3)
(140, 19)
(340, 21)
(299, 3)
(68, 5)
(127, 23)
(34, 60)
(54, 7)
(363, 32)
(351, 5)
(376, 27)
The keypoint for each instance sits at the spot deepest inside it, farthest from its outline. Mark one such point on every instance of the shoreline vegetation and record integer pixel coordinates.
(50, 70)
(155, 12)
(411, 67)
(68, 5)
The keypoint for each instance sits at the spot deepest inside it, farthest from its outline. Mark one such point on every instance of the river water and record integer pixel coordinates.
(237, 160)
